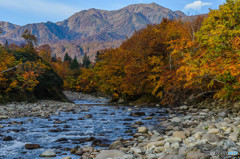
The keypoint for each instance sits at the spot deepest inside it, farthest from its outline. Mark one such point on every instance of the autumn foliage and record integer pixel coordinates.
(172, 62)
(176, 60)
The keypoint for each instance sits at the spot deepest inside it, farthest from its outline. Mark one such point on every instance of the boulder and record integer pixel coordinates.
(3, 117)
(179, 134)
(114, 154)
(137, 114)
(7, 138)
(222, 114)
(211, 137)
(176, 120)
(173, 139)
(156, 144)
(197, 155)
(213, 131)
(184, 107)
(48, 153)
(136, 150)
(32, 146)
(88, 116)
(142, 130)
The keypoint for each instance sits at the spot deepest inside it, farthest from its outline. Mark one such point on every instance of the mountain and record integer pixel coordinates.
(91, 26)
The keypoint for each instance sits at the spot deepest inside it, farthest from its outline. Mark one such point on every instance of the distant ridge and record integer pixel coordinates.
(91, 26)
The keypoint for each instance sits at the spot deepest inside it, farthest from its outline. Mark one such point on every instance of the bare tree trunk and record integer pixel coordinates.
(10, 69)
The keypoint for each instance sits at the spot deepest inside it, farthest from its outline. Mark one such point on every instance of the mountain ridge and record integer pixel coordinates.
(92, 25)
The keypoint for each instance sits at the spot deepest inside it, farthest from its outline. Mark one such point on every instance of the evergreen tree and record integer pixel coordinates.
(97, 56)
(86, 61)
(6, 46)
(67, 58)
(74, 64)
(54, 58)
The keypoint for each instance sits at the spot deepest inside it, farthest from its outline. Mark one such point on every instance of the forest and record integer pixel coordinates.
(170, 62)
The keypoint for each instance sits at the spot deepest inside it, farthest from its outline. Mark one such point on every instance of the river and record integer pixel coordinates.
(98, 125)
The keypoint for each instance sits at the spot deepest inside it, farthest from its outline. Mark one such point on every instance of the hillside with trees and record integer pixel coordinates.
(171, 62)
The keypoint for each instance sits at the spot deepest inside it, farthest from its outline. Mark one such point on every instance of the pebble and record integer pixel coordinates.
(142, 130)
(48, 153)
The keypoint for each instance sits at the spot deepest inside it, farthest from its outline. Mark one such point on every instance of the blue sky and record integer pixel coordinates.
(22, 12)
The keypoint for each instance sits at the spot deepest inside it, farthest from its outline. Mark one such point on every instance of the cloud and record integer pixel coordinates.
(42, 7)
(196, 5)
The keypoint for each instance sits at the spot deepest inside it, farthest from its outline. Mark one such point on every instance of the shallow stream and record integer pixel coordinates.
(66, 130)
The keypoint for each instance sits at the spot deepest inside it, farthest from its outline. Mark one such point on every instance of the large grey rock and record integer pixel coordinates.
(3, 117)
(184, 107)
(114, 154)
(176, 120)
(142, 130)
(158, 143)
(179, 134)
(222, 114)
(226, 144)
(197, 155)
(117, 144)
(213, 131)
(136, 150)
(234, 136)
(211, 137)
(173, 139)
(48, 153)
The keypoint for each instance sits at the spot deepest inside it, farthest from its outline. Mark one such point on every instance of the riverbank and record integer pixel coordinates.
(195, 133)
(45, 108)
(206, 130)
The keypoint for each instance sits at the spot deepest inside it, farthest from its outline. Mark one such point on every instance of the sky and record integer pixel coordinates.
(22, 12)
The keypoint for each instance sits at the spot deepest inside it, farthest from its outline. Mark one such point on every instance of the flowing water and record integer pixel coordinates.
(67, 130)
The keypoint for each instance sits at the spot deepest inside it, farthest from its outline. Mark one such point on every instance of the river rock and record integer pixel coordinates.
(117, 144)
(175, 145)
(32, 146)
(196, 155)
(211, 137)
(184, 107)
(213, 131)
(48, 153)
(3, 117)
(176, 120)
(156, 144)
(114, 154)
(226, 144)
(136, 150)
(68, 157)
(88, 116)
(7, 138)
(234, 136)
(137, 114)
(179, 134)
(142, 130)
(87, 149)
(173, 139)
(222, 114)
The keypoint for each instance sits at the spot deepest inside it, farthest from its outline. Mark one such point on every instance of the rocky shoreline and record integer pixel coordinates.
(201, 131)
(194, 133)
(44, 108)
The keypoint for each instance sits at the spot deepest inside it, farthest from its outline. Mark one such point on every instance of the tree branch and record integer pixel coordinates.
(12, 68)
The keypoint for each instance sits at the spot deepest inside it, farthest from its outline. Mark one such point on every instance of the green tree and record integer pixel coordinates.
(74, 64)
(67, 58)
(86, 61)
(97, 56)
(6, 46)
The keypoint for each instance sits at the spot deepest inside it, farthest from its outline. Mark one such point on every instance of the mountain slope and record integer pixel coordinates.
(92, 26)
